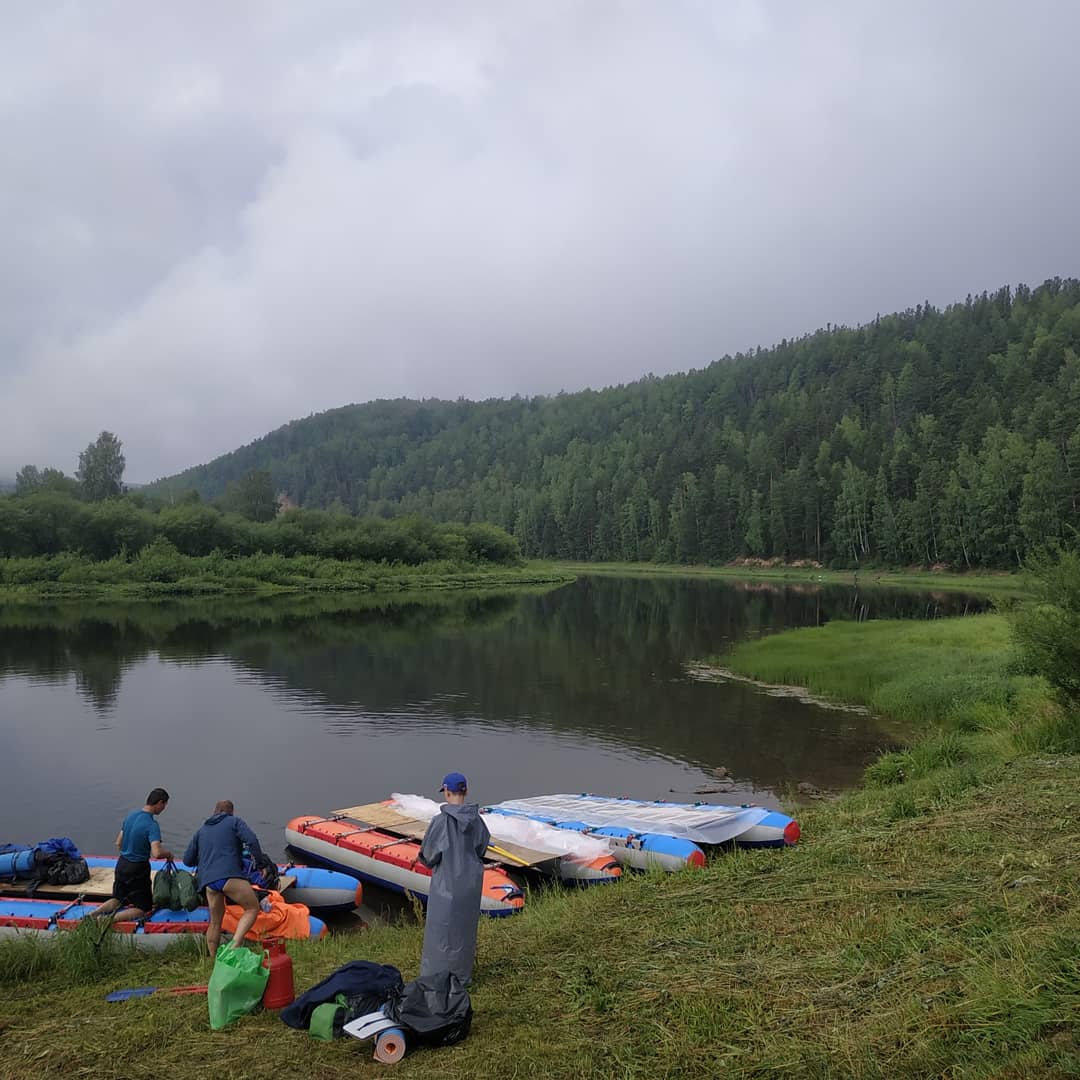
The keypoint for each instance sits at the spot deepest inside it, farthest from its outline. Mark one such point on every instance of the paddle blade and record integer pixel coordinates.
(146, 991)
(124, 995)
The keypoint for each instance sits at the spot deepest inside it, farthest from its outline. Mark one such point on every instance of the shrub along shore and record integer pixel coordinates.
(158, 573)
(926, 924)
(53, 545)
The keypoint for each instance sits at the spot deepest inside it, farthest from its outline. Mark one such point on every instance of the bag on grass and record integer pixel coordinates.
(328, 1019)
(435, 1008)
(236, 984)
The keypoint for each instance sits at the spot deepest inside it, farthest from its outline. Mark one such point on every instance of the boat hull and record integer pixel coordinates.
(21, 917)
(317, 888)
(639, 851)
(387, 860)
(667, 822)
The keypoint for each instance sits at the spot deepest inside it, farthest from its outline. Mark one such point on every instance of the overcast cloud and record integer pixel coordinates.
(217, 217)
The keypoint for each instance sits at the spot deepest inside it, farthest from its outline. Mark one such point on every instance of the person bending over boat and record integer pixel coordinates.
(139, 840)
(453, 847)
(217, 850)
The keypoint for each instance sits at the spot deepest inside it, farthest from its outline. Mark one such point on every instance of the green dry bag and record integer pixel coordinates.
(175, 889)
(185, 896)
(236, 984)
(163, 880)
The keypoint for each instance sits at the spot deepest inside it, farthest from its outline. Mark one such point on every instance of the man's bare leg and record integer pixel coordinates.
(216, 902)
(123, 915)
(107, 908)
(129, 913)
(240, 892)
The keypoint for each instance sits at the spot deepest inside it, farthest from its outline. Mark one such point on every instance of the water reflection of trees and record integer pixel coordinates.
(602, 658)
(95, 645)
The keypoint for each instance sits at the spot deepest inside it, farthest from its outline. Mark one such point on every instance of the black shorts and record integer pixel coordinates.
(131, 885)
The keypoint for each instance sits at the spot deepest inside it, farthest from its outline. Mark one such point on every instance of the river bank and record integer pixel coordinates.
(927, 924)
(989, 583)
(70, 577)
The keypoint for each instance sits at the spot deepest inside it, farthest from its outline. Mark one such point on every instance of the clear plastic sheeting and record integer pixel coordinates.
(523, 831)
(704, 823)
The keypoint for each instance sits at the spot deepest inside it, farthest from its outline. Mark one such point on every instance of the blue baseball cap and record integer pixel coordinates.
(454, 781)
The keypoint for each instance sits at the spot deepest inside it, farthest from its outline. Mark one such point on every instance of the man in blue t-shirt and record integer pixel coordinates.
(138, 841)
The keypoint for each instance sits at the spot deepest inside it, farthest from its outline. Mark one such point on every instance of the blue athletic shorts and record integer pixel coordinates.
(219, 885)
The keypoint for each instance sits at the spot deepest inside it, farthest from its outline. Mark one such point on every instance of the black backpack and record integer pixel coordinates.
(435, 1008)
(59, 868)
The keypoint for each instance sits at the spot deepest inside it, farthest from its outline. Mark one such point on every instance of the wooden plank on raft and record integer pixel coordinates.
(381, 816)
(97, 887)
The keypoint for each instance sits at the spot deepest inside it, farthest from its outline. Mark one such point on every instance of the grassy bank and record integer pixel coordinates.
(953, 683)
(147, 577)
(946, 943)
(990, 583)
(927, 925)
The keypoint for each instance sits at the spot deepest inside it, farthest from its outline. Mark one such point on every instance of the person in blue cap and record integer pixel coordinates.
(453, 847)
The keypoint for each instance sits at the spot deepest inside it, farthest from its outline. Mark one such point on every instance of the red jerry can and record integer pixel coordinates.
(280, 989)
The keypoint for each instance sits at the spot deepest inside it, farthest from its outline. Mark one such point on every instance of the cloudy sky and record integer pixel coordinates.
(217, 217)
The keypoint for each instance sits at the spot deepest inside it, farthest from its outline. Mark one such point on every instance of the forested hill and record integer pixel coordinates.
(927, 436)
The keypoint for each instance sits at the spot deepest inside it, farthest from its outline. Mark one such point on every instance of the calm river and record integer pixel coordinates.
(302, 705)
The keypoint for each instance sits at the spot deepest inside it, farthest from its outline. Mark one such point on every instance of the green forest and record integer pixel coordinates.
(925, 437)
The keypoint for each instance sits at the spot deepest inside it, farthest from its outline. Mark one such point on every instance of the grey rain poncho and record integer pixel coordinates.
(453, 847)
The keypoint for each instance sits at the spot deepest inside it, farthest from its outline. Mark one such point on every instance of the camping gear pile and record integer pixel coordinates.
(369, 1001)
(56, 861)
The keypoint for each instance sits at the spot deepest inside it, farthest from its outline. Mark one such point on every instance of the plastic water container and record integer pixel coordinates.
(280, 988)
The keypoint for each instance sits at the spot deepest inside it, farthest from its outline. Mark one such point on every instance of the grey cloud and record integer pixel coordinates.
(220, 217)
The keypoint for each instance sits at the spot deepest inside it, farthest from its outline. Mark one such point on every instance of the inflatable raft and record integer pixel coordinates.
(46, 918)
(521, 842)
(634, 849)
(315, 887)
(384, 859)
(667, 823)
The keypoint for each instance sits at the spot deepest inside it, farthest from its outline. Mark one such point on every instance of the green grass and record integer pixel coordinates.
(954, 686)
(916, 672)
(927, 924)
(66, 577)
(944, 943)
(989, 583)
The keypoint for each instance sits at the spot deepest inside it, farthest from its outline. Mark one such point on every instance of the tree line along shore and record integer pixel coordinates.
(928, 436)
(54, 544)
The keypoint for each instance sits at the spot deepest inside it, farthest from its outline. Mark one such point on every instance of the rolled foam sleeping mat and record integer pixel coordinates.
(390, 1046)
(17, 864)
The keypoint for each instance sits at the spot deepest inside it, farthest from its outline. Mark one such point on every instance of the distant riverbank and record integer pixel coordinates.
(73, 577)
(988, 582)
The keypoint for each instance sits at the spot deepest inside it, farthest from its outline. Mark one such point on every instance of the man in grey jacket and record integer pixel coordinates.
(453, 848)
(217, 849)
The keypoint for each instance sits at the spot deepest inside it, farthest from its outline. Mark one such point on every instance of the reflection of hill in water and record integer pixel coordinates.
(602, 658)
(97, 643)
